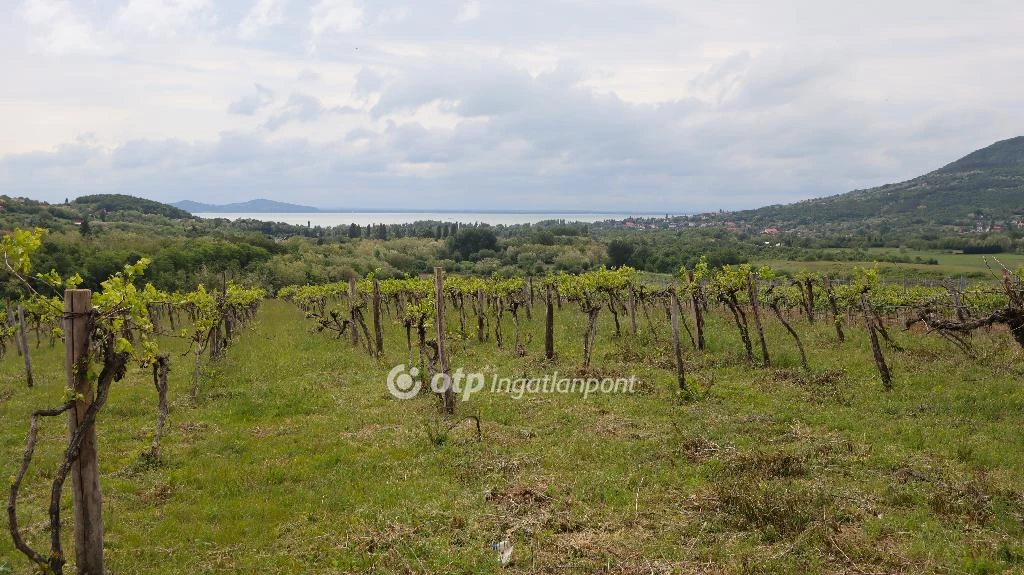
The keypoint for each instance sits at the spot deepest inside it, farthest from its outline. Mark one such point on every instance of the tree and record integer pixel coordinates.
(468, 241)
(354, 231)
(620, 253)
(84, 227)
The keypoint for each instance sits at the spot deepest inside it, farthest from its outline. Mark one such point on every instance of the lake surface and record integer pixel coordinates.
(331, 219)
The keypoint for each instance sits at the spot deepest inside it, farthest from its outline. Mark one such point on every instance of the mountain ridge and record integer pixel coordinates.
(255, 206)
(986, 183)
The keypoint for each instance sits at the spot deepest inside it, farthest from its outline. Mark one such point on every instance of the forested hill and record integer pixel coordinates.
(125, 203)
(986, 188)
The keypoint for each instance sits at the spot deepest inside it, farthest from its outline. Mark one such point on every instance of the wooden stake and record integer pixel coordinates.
(677, 348)
(549, 326)
(378, 329)
(442, 348)
(698, 317)
(85, 474)
(23, 335)
(352, 293)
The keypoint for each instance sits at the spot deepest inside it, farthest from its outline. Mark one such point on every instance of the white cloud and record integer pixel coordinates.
(263, 15)
(164, 18)
(333, 16)
(250, 104)
(469, 11)
(682, 104)
(59, 29)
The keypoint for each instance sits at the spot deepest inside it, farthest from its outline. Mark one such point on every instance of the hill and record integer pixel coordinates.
(125, 203)
(986, 185)
(257, 206)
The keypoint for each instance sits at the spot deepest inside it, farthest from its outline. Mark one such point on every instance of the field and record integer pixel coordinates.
(296, 459)
(949, 264)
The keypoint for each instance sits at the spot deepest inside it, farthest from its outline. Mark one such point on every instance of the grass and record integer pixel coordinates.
(295, 458)
(949, 264)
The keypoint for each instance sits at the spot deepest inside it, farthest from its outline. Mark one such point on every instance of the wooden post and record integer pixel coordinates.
(480, 315)
(677, 348)
(85, 473)
(698, 317)
(378, 330)
(549, 326)
(22, 334)
(442, 349)
(10, 323)
(631, 305)
(352, 293)
(526, 301)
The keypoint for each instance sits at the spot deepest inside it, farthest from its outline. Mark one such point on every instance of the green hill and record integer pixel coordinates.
(125, 203)
(986, 184)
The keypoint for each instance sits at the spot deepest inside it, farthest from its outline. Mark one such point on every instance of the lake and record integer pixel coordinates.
(331, 219)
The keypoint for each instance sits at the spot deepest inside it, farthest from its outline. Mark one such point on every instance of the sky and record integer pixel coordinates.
(660, 105)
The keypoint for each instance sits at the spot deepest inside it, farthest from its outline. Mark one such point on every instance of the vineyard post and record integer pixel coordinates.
(378, 330)
(549, 325)
(631, 303)
(442, 349)
(480, 315)
(23, 334)
(85, 475)
(677, 348)
(526, 301)
(698, 316)
(352, 294)
(226, 317)
(810, 298)
(10, 323)
(752, 293)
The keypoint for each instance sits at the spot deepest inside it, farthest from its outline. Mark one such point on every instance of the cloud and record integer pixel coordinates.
(248, 105)
(59, 29)
(469, 11)
(333, 16)
(164, 18)
(676, 105)
(303, 108)
(263, 15)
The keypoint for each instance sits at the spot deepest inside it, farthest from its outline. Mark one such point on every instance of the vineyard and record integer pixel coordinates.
(782, 423)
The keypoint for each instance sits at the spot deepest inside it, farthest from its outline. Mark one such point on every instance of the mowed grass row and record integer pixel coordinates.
(296, 459)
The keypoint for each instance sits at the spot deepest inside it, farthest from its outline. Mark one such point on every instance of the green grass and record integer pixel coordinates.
(296, 459)
(950, 264)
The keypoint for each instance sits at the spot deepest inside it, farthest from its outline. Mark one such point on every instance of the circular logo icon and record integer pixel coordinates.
(403, 384)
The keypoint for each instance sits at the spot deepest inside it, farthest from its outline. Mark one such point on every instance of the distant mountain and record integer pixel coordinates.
(986, 185)
(125, 203)
(257, 206)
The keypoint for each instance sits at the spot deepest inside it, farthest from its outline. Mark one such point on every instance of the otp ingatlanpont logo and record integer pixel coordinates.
(403, 384)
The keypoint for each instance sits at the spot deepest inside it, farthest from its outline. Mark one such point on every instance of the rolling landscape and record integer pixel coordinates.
(475, 287)
(793, 454)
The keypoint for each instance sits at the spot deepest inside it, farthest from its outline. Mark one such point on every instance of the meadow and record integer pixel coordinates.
(294, 457)
(948, 264)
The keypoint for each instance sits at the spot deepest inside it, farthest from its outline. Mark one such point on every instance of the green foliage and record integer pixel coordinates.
(124, 203)
(470, 241)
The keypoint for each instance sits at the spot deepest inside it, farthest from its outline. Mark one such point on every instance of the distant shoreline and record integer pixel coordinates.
(421, 211)
(364, 218)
